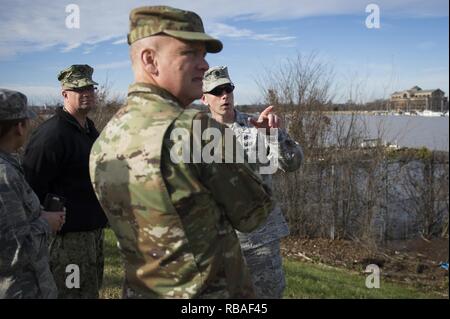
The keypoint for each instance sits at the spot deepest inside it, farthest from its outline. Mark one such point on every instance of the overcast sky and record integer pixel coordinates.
(410, 47)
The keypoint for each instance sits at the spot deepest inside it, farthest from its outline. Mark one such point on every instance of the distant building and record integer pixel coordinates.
(418, 99)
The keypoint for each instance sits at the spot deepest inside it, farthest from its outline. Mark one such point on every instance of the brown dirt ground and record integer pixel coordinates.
(415, 262)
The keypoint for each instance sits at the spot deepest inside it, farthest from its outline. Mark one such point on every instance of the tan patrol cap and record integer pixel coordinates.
(180, 24)
(215, 77)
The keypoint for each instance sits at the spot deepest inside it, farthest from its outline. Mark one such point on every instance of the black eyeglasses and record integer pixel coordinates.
(218, 91)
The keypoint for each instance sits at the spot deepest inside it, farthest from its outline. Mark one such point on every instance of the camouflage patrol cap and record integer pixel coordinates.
(76, 76)
(13, 106)
(180, 24)
(214, 77)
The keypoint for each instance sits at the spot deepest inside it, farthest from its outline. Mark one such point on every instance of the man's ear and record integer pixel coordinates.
(149, 61)
(204, 101)
(21, 128)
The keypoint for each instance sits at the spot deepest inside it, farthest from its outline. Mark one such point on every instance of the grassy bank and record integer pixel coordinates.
(304, 280)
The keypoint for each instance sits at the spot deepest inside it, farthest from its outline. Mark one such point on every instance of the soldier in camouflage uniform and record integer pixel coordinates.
(262, 246)
(56, 161)
(24, 227)
(173, 219)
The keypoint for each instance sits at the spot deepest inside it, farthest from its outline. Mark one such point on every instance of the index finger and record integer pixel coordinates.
(267, 110)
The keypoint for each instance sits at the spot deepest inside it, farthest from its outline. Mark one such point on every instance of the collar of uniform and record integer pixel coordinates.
(240, 118)
(141, 87)
(72, 120)
(13, 159)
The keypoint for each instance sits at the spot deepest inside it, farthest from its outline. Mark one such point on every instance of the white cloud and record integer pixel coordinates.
(113, 65)
(221, 30)
(89, 49)
(37, 25)
(120, 41)
(273, 37)
(70, 47)
(33, 26)
(37, 94)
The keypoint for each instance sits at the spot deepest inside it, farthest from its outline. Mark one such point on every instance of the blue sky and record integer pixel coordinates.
(410, 47)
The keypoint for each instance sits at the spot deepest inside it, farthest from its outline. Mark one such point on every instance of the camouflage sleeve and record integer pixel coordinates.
(288, 151)
(16, 232)
(244, 197)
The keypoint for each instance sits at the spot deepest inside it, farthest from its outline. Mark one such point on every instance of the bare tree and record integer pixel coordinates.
(301, 87)
(322, 198)
(426, 185)
(345, 189)
(107, 104)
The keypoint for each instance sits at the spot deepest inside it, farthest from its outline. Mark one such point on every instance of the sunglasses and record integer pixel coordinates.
(218, 91)
(83, 89)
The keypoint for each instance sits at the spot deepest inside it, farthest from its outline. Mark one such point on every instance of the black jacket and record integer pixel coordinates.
(56, 161)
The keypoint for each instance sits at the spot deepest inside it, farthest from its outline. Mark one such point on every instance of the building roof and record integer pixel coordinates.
(416, 90)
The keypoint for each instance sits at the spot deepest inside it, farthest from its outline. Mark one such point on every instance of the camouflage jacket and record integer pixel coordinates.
(174, 222)
(24, 263)
(289, 157)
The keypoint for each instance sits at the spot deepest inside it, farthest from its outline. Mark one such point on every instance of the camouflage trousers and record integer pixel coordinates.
(266, 268)
(76, 261)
